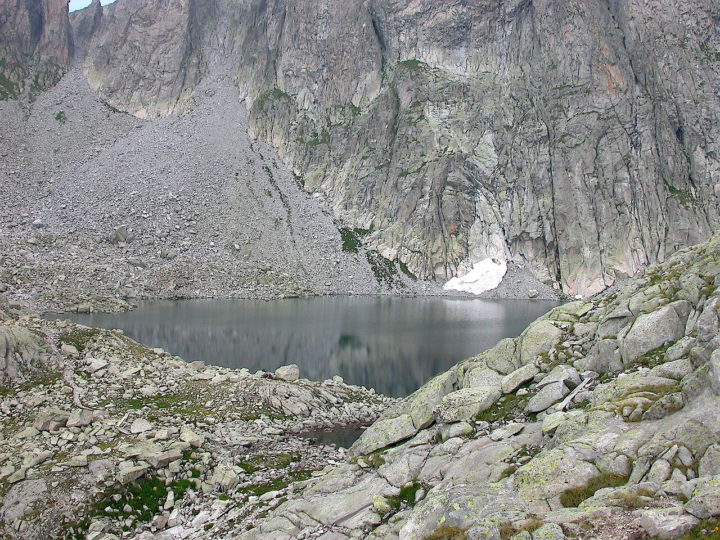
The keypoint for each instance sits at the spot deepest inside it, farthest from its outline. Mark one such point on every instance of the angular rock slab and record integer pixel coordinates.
(383, 433)
(467, 403)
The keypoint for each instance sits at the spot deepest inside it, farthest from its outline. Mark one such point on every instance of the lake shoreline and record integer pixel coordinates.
(393, 344)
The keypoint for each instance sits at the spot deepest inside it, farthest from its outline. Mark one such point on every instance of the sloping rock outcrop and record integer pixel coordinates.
(604, 432)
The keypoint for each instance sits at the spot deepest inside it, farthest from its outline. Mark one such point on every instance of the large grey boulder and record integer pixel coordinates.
(482, 376)
(710, 462)
(547, 396)
(467, 403)
(518, 377)
(539, 338)
(288, 373)
(667, 523)
(705, 500)
(567, 375)
(503, 357)
(51, 420)
(384, 433)
(422, 403)
(653, 330)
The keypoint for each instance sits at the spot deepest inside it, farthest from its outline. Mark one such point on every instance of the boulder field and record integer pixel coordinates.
(101, 437)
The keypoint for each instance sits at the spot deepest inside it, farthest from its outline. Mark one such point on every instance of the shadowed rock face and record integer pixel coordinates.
(144, 56)
(578, 137)
(35, 43)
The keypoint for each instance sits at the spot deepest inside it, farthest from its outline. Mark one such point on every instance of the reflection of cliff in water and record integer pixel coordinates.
(390, 344)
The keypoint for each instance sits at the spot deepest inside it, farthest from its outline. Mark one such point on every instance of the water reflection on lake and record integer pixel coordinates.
(391, 344)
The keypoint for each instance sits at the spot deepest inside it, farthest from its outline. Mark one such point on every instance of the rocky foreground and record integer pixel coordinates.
(101, 437)
(599, 421)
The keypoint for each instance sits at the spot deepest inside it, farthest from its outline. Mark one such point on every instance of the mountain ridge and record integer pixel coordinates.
(459, 132)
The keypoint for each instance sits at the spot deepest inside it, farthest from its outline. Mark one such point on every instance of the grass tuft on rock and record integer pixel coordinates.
(448, 533)
(573, 497)
(262, 462)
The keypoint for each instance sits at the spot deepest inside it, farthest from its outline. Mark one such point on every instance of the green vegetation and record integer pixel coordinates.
(507, 407)
(270, 96)
(61, 117)
(277, 484)
(144, 497)
(111, 108)
(684, 197)
(262, 462)
(573, 497)
(403, 174)
(80, 338)
(412, 64)
(708, 529)
(352, 238)
(406, 497)
(8, 89)
(650, 359)
(374, 460)
(405, 270)
(384, 269)
(318, 139)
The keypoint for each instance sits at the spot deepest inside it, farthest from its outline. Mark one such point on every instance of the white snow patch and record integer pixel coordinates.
(485, 276)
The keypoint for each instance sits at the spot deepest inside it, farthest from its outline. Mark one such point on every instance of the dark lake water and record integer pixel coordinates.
(393, 344)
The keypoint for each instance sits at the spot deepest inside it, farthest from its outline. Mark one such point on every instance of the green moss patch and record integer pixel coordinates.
(80, 338)
(276, 485)
(268, 461)
(573, 497)
(144, 497)
(508, 407)
(405, 270)
(412, 64)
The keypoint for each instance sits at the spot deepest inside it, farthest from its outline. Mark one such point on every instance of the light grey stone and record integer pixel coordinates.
(384, 433)
(466, 403)
(517, 378)
(547, 396)
(288, 373)
(667, 523)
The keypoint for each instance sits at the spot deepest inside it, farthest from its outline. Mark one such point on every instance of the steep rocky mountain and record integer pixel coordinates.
(578, 138)
(35, 45)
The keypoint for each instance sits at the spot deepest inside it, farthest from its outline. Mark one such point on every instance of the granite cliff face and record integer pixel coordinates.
(35, 45)
(493, 134)
(578, 139)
